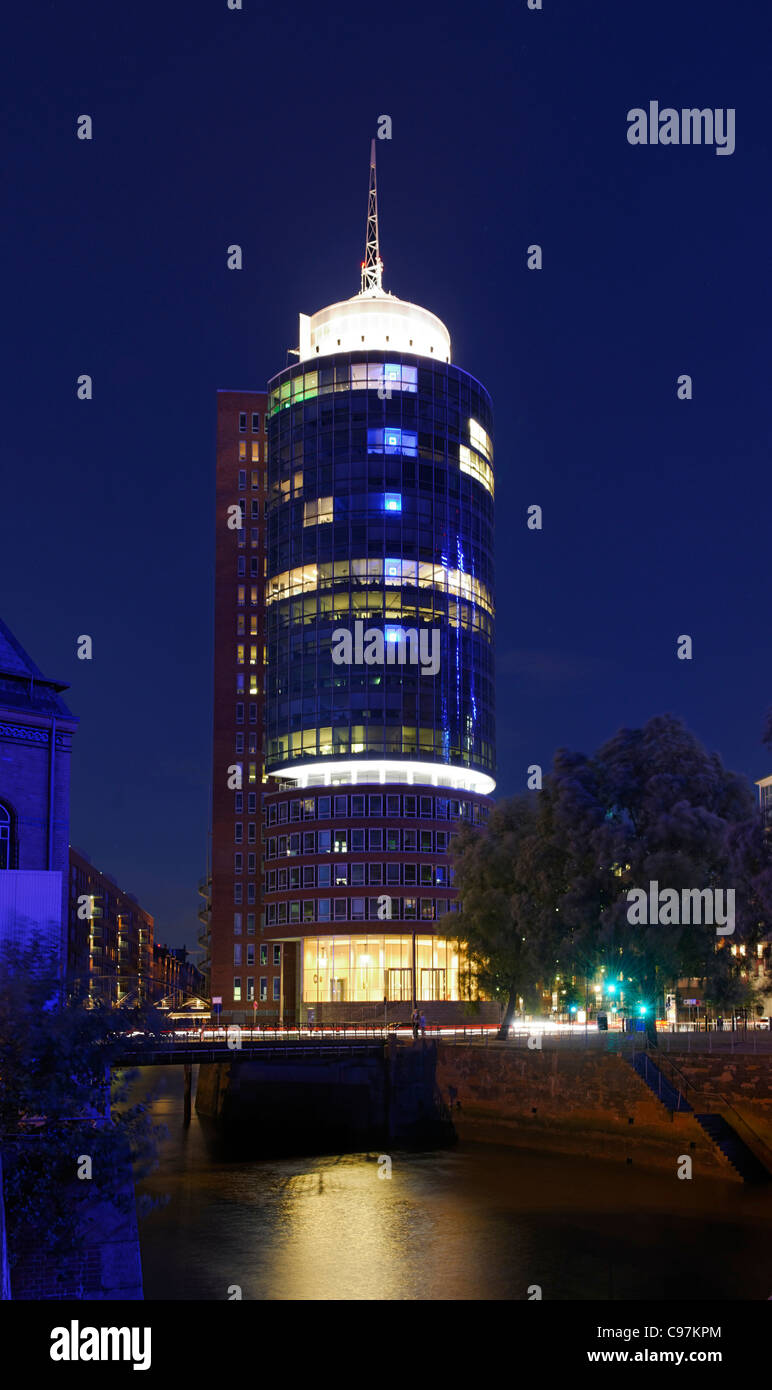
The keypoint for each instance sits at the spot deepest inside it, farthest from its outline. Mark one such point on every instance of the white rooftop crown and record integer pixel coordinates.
(373, 318)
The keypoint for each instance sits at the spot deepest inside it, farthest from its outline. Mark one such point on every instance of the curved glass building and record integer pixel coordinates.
(379, 642)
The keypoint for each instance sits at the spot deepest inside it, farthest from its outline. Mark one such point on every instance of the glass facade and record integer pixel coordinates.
(379, 525)
(369, 969)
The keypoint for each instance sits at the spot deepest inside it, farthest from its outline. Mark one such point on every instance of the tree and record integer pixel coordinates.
(652, 805)
(544, 890)
(500, 910)
(62, 1100)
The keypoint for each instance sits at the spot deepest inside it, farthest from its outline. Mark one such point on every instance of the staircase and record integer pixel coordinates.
(733, 1148)
(718, 1130)
(663, 1089)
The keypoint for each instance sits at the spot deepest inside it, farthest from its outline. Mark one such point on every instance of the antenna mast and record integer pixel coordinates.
(372, 265)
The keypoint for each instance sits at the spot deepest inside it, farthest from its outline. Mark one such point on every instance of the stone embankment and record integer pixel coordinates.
(590, 1103)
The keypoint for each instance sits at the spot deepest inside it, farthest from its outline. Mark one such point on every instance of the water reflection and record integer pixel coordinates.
(475, 1222)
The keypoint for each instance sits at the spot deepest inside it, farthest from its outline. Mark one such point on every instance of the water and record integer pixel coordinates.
(474, 1222)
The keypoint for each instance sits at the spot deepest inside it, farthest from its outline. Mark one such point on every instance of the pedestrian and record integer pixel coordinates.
(423, 1024)
(414, 1020)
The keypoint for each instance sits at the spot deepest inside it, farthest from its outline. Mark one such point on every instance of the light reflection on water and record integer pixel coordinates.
(474, 1222)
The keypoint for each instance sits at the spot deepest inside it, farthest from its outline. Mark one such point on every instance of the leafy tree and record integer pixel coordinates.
(544, 890)
(62, 1098)
(652, 805)
(500, 910)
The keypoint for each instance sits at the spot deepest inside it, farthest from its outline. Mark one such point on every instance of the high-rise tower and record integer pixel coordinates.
(379, 714)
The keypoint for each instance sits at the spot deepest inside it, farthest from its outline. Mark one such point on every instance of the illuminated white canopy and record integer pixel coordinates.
(373, 320)
(390, 771)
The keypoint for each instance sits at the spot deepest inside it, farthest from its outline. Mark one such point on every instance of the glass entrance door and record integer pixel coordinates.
(432, 984)
(399, 984)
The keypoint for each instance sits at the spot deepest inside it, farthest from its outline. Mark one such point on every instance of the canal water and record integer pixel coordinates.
(473, 1222)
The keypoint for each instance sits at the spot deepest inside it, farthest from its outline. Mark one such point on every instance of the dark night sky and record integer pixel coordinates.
(509, 127)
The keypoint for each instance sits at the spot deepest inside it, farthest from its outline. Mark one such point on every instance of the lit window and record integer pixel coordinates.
(480, 440)
(255, 451)
(392, 440)
(242, 448)
(237, 989)
(472, 464)
(317, 511)
(392, 502)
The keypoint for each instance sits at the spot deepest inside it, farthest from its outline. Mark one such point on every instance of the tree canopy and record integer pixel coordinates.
(544, 889)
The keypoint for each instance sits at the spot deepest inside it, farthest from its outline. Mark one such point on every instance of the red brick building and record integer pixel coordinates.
(242, 973)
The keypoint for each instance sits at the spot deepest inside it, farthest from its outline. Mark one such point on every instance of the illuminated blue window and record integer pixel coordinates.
(393, 634)
(392, 502)
(392, 570)
(392, 441)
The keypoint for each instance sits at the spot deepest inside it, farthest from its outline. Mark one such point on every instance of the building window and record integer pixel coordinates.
(276, 987)
(255, 421)
(5, 837)
(242, 422)
(250, 924)
(242, 477)
(237, 924)
(237, 953)
(242, 448)
(317, 511)
(277, 955)
(263, 989)
(237, 989)
(263, 954)
(250, 988)
(255, 478)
